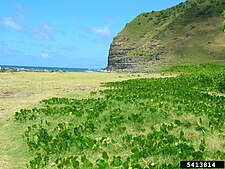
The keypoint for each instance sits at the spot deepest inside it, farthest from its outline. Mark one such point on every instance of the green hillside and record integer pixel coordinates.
(187, 33)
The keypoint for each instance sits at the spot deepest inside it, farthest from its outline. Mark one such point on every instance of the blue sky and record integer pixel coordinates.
(65, 33)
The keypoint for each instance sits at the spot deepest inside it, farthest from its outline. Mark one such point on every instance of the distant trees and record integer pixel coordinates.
(223, 24)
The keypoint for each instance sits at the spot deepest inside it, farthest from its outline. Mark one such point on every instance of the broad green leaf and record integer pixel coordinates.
(102, 164)
(75, 163)
(105, 156)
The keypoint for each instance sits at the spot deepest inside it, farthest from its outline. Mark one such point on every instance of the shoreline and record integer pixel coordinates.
(28, 70)
(6, 69)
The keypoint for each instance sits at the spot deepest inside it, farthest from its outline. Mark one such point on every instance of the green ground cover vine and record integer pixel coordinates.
(140, 123)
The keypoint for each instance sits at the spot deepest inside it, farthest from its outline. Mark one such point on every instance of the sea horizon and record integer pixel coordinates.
(52, 68)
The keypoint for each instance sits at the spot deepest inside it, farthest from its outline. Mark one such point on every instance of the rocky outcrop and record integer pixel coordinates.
(27, 70)
(186, 33)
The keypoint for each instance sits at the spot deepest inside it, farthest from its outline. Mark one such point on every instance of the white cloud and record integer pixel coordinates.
(7, 21)
(44, 32)
(47, 28)
(45, 55)
(102, 31)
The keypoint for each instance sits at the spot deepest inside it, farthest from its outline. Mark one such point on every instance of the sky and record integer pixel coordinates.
(66, 33)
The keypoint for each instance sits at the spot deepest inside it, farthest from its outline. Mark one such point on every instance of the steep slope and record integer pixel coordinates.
(187, 33)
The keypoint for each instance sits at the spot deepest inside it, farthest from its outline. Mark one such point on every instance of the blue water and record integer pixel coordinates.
(54, 68)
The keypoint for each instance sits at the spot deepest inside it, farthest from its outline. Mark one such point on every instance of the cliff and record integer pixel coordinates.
(187, 33)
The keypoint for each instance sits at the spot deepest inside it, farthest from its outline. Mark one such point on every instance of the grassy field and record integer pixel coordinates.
(24, 90)
(135, 121)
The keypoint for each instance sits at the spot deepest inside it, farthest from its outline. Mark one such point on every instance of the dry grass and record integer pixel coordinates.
(26, 89)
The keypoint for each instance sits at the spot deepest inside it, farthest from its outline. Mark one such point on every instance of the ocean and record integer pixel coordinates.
(53, 68)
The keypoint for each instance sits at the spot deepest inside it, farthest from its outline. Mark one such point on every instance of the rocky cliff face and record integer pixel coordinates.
(187, 33)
